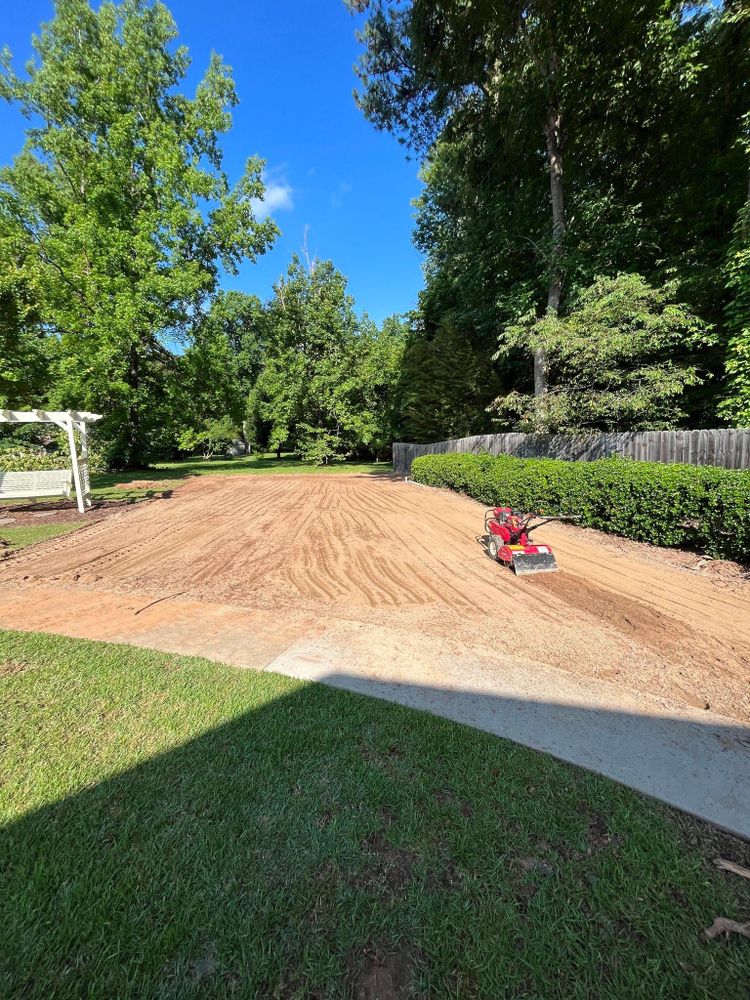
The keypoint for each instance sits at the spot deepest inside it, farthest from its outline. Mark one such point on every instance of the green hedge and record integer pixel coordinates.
(31, 460)
(24, 459)
(686, 505)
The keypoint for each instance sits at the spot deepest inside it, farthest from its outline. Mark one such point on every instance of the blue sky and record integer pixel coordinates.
(328, 169)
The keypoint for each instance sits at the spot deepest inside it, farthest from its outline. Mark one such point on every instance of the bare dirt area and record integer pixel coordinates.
(288, 555)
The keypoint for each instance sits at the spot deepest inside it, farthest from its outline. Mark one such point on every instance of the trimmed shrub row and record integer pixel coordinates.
(25, 459)
(677, 505)
(31, 460)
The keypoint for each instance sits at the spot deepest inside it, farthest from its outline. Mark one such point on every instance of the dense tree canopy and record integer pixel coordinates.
(561, 142)
(585, 223)
(117, 212)
(326, 386)
(736, 404)
(614, 360)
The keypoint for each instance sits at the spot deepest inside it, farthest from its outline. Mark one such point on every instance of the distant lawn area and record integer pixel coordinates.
(104, 486)
(171, 827)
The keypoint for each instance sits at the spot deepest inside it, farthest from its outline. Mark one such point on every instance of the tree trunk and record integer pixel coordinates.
(552, 131)
(135, 458)
(547, 66)
(553, 134)
(540, 372)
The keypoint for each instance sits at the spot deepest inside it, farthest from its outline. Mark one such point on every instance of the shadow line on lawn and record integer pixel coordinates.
(299, 848)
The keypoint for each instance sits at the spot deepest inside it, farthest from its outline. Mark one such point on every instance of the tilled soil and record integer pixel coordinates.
(377, 550)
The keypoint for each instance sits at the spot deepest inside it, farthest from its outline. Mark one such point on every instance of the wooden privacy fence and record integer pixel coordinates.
(729, 449)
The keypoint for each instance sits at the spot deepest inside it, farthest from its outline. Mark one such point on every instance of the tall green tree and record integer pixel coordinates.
(329, 384)
(240, 320)
(370, 388)
(126, 213)
(562, 140)
(311, 326)
(444, 385)
(209, 384)
(534, 68)
(736, 405)
(26, 348)
(614, 360)
(221, 365)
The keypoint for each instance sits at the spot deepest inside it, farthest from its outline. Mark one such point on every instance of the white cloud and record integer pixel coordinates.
(278, 197)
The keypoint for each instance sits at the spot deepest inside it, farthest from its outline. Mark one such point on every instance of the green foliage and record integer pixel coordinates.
(618, 361)
(327, 385)
(371, 388)
(32, 447)
(315, 444)
(240, 319)
(444, 385)
(672, 505)
(214, 377)
(33, 436)
(119, 209)
(649, 96)
(26, 350)
(311, 330)
(222, 364)
(736, 405)
(212, 436)
(25, 357)
(25, 459)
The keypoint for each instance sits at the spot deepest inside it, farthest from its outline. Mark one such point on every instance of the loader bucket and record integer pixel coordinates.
(525, 563)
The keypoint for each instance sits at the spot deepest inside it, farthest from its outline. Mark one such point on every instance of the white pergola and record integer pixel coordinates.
(71, 421)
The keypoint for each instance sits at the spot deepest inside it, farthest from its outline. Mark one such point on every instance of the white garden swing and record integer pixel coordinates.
(53, 482)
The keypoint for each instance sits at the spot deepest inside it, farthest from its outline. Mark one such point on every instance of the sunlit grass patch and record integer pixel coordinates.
(18, 536)
(173, 827)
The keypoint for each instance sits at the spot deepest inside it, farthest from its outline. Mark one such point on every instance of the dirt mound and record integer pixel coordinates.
(144, 484)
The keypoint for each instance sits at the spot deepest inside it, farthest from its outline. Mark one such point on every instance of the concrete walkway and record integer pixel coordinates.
(694, 760)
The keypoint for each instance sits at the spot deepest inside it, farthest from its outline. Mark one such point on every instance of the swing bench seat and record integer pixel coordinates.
(46, 483)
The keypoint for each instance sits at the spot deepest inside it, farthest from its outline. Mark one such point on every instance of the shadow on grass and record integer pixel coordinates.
(324, 844)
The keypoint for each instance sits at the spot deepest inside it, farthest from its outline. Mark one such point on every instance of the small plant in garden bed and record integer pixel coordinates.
(674, 505)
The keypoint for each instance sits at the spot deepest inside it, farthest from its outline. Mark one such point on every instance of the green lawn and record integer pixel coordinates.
(176, 828)
(103, 485)
(19, 536)
(267, 463)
